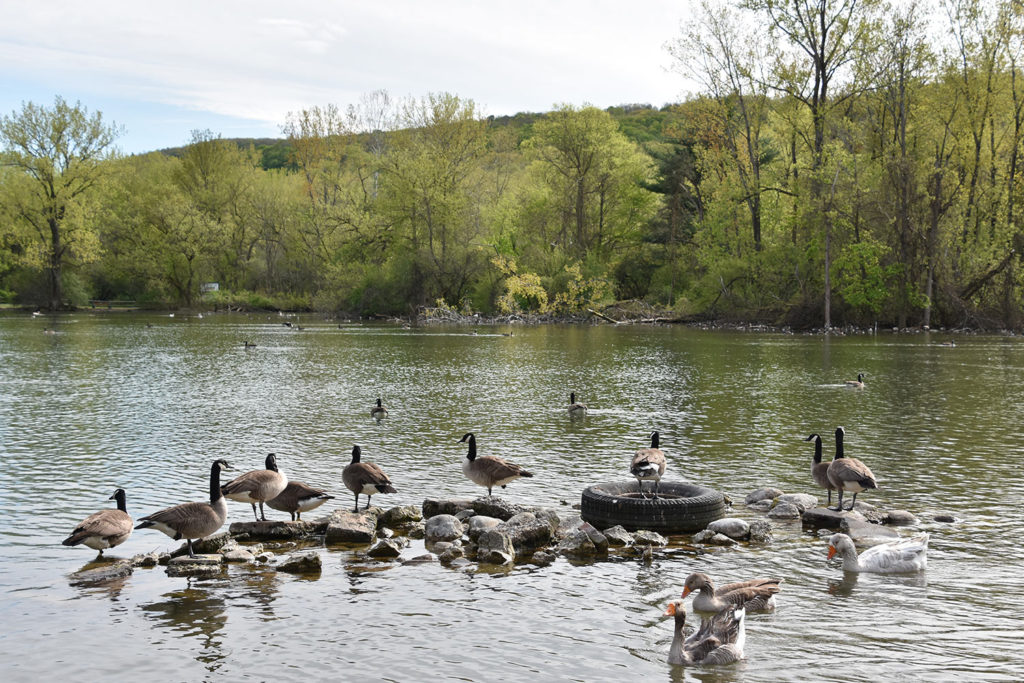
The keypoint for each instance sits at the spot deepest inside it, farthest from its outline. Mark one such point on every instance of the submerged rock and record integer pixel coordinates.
(761, 531)
(733, 527)
(785, 511)
(762, 505)
(902, 518)
(945, 518)
(766, 493)
(709, 537)
(866, 532)
(146, 560)
(115, 570)
(345, 526)
(443, 528)
(197, 567)
(308, 562)
(830, 519)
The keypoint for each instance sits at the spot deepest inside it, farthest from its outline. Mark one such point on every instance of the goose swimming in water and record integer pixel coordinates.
(719, 640)
(576, 409)
(898, 557)
(378, 411)
(753, 595)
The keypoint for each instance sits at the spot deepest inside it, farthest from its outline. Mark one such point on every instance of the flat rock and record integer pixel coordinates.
(346, 526)
(400, 517)
(478, 524)
(766, 493)
(804, 501)
(426, 558)
(146, 560)
(761, 531)
(647, 537)
(829, 519)
(206, 559)
(210, 544)
(785, 511)
(496, 506)
(866, 532)
(443, 528)
(733, 527)
(433, 507)
(198, 567)
(577, 544)
(115, 570)
(495, 547)
(902, 518)
(526, 532)
(238, 555)
(618, 536)
(944, 518)
(762, 505)
(308, 562)
(276, 530)
(386, 548)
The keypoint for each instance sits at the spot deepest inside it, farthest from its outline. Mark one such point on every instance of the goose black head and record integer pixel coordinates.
(817, 446)
(468, 436)
(356, 453)
(272, 462)
(654, 440)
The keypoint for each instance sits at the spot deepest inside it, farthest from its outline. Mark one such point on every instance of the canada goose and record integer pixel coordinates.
(904, 555)
(949, 344)
(250, 345)
(257, 486)
(648, 464)
(104, 529)
(819, 469)
(192, 520)
(576, 409)
(719, 640)
(753, 595)
(856, 383)
(286, 324)
(848, 474)
(298, 498)
(378, 411)
(488, 470)
(365, 477)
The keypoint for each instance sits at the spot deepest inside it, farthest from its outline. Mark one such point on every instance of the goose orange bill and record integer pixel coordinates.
(670, 611)
(686, 591)
(831, 552)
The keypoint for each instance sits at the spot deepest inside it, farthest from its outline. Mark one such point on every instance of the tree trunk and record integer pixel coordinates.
(56, 259)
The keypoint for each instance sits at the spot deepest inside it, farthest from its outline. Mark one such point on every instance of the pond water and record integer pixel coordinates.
(146, 402)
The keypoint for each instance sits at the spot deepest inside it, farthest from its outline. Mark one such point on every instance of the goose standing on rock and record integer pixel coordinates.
(365, 477)
(576, 409)
(298, 498)
(848, 474)
(487, 470)
(192, 520)
(819, 469)
(897, 557)
(378, 412)
(104, 529)
(856, 383)
(257, 486)
(754, 595)
(719, 640)
(648, 464)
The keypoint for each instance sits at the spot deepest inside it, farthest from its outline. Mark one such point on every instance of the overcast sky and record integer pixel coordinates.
(237, 68)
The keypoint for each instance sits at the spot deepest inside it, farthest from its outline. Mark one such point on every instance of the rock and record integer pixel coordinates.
(478, 524)
(645, 537)
(264, 557)
(526, 532)
(902, 518)
(443, 528)
(542, 558)
(709, 537)
(867, 533)
(761, 531)
(345, 526)
(618, 536)
(762, 505)
(785, 511)
(496, 506)
(440, 547)
(426, 558)
(577, 544)
(451, 554)
(733, 527)
(308, 562)
(875, 516)
(203, 546)
(417, 530)
(767, 493)
(432, 507)
(238, 555)
(199, 566)
(115, 570)
(276, 530)
(385, 548)
(400, 517)
(555, 519)
(147, 560)
(944, 518)
(463, 515)
(599, 540)
(804, 501)
(565, 524)
(495, 547)
(830, 519)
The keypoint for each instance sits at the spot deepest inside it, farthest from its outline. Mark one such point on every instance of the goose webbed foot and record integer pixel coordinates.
(191, 553)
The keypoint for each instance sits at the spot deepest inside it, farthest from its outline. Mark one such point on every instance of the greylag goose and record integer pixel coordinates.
(257, 486)
(819, 469)
(848, 474)
(298, 498)
(719, 640)
(753, 595)
(365, 477)
(856, 383)
(488, 470)
(192, 520)
(576, 409)
(104, 529)
(896, 557)
(378, 412)
(648, 464)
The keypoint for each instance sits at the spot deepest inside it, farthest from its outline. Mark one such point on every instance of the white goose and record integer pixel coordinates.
(898, 557)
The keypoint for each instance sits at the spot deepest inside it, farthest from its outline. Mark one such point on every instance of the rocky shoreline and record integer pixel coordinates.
(461, 533)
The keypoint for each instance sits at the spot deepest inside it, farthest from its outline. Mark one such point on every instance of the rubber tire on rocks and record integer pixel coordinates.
(686, 508)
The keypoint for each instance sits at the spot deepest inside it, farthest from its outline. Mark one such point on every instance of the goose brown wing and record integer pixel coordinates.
(104, 523)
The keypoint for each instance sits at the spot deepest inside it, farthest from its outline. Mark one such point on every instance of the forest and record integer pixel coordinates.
(842, 162)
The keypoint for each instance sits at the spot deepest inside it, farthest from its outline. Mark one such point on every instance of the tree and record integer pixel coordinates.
(59, 151)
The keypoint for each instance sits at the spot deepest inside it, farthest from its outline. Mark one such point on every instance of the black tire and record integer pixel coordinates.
(680, 507)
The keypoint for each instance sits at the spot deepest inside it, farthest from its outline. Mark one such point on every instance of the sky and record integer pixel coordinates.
(163, 70)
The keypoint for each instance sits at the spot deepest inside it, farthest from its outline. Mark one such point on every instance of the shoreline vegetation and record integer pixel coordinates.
(868, 177)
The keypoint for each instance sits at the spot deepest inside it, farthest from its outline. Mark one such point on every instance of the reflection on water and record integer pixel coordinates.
(146, 402)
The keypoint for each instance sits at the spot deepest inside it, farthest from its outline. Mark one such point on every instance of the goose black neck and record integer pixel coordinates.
(272, 462)
(839, 443)
(119, 497)
(472, 448)
(215, 493)
(817, 449)
(356, 453)
(378, 403)
(654, 440)
(572, 397)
